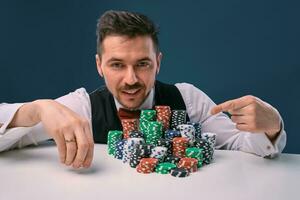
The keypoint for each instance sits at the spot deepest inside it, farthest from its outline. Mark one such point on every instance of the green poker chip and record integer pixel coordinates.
(112, 138)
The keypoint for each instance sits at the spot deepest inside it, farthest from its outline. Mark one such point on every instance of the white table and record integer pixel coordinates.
(35, 173)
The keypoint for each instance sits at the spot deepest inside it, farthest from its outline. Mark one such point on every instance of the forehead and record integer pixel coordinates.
(127, 48)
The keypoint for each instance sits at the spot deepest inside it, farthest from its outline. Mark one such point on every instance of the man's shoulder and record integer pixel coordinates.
(184, 86)
(190, 90)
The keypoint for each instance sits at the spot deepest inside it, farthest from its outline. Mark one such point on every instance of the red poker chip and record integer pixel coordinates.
(129, 125)
(179, 146)
(189, 164)
(163, 114)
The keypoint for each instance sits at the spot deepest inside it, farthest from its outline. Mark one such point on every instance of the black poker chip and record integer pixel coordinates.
(179, 172)
(178, 117)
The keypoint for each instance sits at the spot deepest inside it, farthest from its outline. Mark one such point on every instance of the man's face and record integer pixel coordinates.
(129, 67)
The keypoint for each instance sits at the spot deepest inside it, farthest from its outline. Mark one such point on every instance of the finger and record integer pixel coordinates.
(234, 104)
(239, 119)
(71, 149)
(61, 146)
(238, 112)
(82, 149)
(90, 154)
(243, 127)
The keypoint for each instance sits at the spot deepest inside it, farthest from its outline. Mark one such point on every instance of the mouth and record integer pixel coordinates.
(131, 92)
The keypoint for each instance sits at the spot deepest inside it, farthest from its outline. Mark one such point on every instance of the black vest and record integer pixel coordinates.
(105, 115)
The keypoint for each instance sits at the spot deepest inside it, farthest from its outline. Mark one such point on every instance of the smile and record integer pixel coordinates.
(131, 92)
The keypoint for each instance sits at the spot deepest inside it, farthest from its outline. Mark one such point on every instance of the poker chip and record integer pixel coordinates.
(119, 149)
(162, 141)
(148, 115)
(194, 152)
(172, 159)
(207, 149)
(163, 115)
(178, 117)
(159, 153)
(128, 126)
(136, 134)
(187, 131)
(165, 143)
(129, 146)
(191, 164)
(154, 132)
(210, 137)
(198, 128)
(147, 148)
(136, 156)
(164, 168)
(112, 138)
(179, 146)
(179, 172)
(170, 134)
(147, 165)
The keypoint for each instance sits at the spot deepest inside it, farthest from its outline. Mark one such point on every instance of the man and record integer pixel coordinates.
(128, 58)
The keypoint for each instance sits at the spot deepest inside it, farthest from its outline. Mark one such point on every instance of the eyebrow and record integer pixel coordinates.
(114, 59)
(120, 60)
(144, 59)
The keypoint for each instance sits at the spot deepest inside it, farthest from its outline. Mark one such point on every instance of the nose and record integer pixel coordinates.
(130, 76)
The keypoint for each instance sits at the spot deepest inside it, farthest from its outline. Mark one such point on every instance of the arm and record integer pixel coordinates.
(199, 107)
(66, 118)
(27, 115)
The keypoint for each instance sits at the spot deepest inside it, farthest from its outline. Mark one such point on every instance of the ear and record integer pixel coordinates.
(158, 59)
(98, 63)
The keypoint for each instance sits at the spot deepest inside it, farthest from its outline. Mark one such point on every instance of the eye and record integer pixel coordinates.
(143, 64)
(116, 65)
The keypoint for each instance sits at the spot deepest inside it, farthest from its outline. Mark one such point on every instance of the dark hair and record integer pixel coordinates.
(125, 23)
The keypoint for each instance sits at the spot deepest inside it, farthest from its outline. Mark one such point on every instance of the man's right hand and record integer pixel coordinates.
(71, 133)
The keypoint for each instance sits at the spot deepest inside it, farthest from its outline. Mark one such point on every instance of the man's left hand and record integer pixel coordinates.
(252, 114)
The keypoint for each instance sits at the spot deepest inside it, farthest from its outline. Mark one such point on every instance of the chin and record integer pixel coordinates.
(132, 105)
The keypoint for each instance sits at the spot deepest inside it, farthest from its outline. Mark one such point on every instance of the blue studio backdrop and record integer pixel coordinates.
(226, 48)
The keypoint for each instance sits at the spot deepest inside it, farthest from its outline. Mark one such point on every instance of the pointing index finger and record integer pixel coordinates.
(234, 104)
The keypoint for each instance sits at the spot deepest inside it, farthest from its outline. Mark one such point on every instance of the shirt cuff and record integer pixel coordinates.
(7, 113)
(261, 145)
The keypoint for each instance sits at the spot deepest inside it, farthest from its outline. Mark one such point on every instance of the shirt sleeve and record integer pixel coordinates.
(198, 106)
(78, 101)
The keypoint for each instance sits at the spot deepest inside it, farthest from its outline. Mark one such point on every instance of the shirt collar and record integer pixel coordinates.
(147, 104)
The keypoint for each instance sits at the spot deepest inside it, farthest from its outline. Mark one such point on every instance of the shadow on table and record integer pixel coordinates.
(41, 154)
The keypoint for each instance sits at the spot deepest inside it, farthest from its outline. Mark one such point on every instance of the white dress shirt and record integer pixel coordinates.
(198, 106)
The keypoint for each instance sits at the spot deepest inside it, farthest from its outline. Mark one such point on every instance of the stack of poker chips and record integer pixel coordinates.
(179, 146)
(119, 149)
(170, 134)
(164, 167)
(191, 164)
(152, 147)
(145, 117)
(165, 143)
(197, 127)
(154, 132)
(194, 152)
(137, 155)
(129, 147)
(187, 131)
(159, 152)
(163, 115)
(147, 165)
(128, 126)
(112, 138)
(178, 117)
(207, 149)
